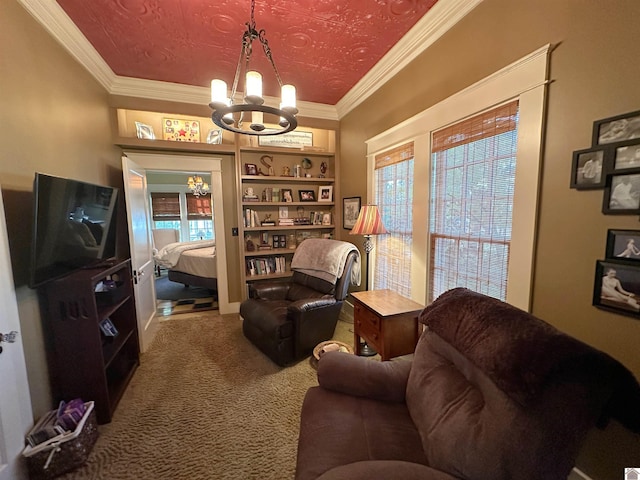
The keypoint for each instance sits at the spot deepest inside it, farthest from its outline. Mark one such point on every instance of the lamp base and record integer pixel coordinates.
(366, 350)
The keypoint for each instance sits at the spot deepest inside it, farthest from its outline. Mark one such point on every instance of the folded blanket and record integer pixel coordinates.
(168, 255)
(325, 259)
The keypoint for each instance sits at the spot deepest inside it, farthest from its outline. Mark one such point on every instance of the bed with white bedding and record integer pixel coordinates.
(190, 263)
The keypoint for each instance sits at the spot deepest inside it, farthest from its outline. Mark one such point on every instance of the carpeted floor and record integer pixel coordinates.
(204, 404)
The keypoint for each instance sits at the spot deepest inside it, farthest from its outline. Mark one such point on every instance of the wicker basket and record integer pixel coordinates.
(65, 452)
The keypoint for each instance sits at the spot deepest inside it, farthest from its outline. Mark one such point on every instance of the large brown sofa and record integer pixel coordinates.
(491, 393)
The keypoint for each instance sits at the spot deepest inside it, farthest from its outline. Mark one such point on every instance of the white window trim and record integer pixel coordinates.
(525, 80)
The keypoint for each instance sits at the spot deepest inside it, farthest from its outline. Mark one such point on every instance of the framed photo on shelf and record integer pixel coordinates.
(179, 130)
(250, 169)
(108, 328)
(307, 195)
(214, 137)
(616, 129)
(627, 156)
(350, 211)
(325, 193)
(622, 194)
(145, 131)
(623, 245)
(617, 287)
(287, 195)
(326, 219)
(588, 169)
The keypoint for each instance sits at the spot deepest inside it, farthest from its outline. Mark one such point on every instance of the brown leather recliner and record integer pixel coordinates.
(286, 320)
(492, 393)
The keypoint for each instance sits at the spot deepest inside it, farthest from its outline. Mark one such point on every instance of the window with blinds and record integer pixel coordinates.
(198, 207)
(473, 178)
(394, 197)
(165, 206)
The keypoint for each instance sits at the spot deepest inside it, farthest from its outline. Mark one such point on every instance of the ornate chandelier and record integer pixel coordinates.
(231, 116)
(197, 185)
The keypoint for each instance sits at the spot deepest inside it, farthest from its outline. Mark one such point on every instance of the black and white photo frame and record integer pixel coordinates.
(622, 194)
(616, 287)
(589, 168)
(623, 245)
(616, 129)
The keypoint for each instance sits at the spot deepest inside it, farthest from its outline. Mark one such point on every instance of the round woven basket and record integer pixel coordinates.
(344, 347)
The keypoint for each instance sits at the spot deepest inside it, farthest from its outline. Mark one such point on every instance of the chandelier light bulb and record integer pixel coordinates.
(219, 93)
(253, 88)
(288, 93)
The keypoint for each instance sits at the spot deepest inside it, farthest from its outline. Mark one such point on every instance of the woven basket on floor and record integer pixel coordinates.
(65, 452)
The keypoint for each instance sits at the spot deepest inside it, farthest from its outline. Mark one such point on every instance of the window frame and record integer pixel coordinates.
(524, 80)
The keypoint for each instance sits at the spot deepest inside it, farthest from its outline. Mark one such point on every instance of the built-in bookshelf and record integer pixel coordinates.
(286, 196)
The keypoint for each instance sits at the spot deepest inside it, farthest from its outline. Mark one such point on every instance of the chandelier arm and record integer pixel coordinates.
(267, 52)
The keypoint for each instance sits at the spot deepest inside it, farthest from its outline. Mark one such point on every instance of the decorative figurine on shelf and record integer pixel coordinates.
(286, 172)
(263, 161)
(323, 169)
(249, 245)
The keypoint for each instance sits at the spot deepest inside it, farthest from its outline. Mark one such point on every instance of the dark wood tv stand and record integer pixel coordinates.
(83, 361)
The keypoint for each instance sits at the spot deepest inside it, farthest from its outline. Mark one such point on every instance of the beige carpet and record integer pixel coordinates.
(204, 404)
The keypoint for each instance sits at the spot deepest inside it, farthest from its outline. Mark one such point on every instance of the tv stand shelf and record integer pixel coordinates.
(84, 362)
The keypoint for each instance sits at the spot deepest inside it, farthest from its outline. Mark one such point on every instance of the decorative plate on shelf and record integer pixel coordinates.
(306, 163)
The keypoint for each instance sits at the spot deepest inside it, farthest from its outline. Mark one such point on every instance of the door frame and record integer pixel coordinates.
(202, 163)
(16, 415)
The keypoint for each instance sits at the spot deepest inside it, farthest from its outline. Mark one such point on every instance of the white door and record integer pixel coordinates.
(138, 213)
(15, 402)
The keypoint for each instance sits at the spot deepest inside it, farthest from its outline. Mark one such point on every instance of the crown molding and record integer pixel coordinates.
(55, 21)
(442, 16)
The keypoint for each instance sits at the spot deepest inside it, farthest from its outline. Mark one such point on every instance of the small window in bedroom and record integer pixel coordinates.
(165, 208)
(199, 215)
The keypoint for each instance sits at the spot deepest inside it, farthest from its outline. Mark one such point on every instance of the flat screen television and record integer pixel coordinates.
(74, 227)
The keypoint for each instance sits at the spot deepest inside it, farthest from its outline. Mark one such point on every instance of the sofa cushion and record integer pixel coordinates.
(473, 430)
(339, 429)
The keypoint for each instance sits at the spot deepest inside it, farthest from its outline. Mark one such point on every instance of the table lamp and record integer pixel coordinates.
(369, 223)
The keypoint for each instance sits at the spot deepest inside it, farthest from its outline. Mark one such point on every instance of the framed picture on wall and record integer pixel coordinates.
(616, 129)
(350, 211)
(617, 287)
(588, 169)
(623, 245)
(622, 194)
(627, 156)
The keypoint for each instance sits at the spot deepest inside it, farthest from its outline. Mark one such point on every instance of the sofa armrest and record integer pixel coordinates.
(384, 470)
(268, 290)
(308, 304)
(358, 376)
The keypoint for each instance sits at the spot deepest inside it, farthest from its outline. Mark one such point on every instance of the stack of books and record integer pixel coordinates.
(286, 221)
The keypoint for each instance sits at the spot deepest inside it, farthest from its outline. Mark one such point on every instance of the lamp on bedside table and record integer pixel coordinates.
(369, 223)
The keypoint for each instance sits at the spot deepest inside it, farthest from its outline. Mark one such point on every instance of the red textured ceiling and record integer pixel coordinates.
(323, 47)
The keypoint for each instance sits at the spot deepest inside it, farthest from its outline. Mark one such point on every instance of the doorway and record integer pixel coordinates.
(186, 165)
(182, 219)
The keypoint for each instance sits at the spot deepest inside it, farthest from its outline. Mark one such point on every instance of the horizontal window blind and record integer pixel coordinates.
(165, 206)
(473, 179)
(198, 207)
(394, 197)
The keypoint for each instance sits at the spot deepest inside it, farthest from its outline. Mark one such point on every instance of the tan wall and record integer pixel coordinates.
(55, 120)
(595, 72)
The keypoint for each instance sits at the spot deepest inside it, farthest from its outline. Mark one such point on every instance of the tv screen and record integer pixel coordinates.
(74, 227)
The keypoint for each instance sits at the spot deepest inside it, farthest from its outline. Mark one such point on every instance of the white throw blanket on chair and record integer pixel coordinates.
(325, 259)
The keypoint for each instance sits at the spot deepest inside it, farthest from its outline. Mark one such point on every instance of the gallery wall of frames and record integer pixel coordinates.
(612, 164)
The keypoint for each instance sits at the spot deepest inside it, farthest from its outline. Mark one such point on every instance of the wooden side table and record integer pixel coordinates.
(387, 321)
